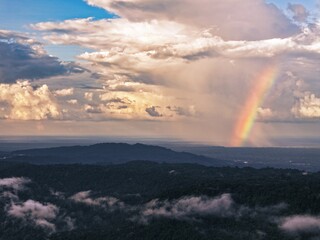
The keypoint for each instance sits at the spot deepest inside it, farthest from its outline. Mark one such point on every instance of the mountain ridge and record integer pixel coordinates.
(111, 153)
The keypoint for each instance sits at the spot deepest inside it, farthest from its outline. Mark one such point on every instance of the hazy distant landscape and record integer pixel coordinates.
(138, 191)
(296, 158)
(278, 157)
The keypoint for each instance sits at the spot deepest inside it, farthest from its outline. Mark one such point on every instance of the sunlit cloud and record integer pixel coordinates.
(23, 102)
(300, 224)
(184, 63)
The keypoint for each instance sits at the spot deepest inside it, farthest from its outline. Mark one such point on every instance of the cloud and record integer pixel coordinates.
(146, 44)
(88, 96)
(9, 187)
(152, 111)
(121, 31)
(265, 113)
(14, 183)
(264, 20)
(31, 212)
(301, 224)
(109, 202)
(141, 105)
(193, 62)
(188, 207)
(64, 92)
(40, 214)
(35, 209)
(307, 106)
(300, 13)
(156, 62)
(185, 208)
(190, 111)
(43, 223)
(25, 58)
(92, 109)
(131, 41)
(72, 101)
(23, 102)
(193, 208)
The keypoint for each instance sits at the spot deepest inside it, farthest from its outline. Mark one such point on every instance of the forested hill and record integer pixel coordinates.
(111, 153)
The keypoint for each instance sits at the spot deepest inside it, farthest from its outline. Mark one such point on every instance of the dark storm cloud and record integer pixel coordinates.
(152, 111)
(24, 58)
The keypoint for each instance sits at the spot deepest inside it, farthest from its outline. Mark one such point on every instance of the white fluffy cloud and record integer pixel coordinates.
(84, 197)
(34, 211)
(88, 96)
(31, 212)
(72, 101)
(130, 103)
(23, 102)
(308, 106)
(65, 92)
(265, 113)
(187, 207)
(301, 224)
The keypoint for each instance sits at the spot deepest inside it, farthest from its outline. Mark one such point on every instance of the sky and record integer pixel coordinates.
(232, 73)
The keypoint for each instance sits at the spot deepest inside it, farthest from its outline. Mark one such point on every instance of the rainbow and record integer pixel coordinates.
(249, 113)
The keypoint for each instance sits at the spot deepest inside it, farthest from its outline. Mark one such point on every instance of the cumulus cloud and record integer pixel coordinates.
(109, 202)
(88, 96)
(134, 54)
(73, 101)
(307, 106)
(178, 60)
(65, 92)
(265, 113)
(92, 109)
(143, 105)
(40, 214)
(25, 58)
(14, 183)
(23, 102)
(301, 224)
